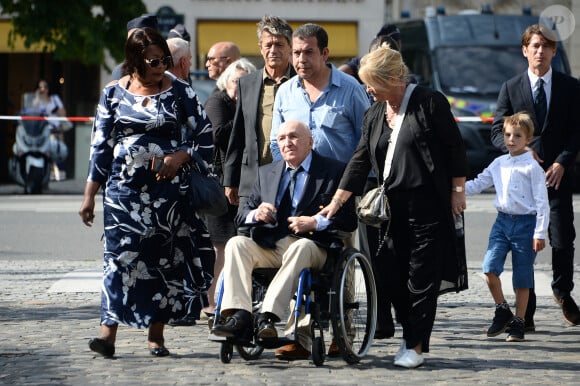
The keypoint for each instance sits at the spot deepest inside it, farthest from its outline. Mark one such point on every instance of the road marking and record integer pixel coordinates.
(78, 281)
(90, 281)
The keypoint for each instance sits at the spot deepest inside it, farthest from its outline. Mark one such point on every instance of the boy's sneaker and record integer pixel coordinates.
(500, 322)
(516, 333)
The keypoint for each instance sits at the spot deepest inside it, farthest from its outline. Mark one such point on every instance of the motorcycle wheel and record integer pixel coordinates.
(34, 181)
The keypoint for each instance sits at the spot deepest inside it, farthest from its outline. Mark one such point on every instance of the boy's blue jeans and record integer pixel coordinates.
(513, 233)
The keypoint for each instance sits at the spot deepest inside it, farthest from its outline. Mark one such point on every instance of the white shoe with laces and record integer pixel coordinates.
(410, 359)
(401, 351)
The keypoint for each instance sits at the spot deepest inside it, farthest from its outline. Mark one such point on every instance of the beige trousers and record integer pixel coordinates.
(242, 255)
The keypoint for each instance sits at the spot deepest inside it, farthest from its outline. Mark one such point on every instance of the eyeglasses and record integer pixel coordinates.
(216, 58)
(156, 62)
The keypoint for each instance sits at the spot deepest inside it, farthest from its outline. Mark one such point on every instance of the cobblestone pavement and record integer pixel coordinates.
(44, 336)
(44, 339)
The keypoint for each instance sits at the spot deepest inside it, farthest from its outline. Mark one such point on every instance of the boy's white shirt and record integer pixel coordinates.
(520, 185)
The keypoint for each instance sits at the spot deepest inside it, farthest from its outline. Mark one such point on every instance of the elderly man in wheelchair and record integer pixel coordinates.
(281, 229)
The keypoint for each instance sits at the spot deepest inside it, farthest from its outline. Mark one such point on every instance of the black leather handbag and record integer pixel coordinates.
(207, 194)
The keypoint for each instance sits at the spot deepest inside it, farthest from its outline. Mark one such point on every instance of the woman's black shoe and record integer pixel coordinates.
(159, 351)
(102, 347)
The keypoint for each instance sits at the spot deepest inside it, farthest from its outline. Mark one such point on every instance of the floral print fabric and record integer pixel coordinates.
(157, 256)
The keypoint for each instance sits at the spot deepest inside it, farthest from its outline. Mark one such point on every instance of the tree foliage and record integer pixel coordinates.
(77, 30)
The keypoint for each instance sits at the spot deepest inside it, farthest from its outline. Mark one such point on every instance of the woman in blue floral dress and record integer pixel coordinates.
(157, 251)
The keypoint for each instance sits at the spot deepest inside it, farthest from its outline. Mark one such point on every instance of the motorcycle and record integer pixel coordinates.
(30, 165)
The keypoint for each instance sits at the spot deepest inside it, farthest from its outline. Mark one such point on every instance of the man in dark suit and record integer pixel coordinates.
(282, 230)
(552, 99)
(249, 145)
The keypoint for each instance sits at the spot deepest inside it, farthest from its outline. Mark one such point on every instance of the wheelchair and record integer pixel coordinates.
(341, 295)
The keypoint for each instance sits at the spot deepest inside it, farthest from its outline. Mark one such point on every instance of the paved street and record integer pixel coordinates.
(49, 309)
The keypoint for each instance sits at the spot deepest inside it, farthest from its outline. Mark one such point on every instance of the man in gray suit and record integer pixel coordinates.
(249, 145)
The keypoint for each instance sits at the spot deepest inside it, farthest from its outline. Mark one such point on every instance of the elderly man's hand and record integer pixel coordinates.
(302, 224)
(266, 213)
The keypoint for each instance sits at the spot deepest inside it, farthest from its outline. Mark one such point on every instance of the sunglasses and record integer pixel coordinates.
(156, 62)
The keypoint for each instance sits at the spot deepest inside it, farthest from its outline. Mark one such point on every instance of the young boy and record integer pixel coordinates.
(521, 225)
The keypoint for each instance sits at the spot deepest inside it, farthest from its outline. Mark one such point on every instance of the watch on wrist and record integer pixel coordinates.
(457, 189)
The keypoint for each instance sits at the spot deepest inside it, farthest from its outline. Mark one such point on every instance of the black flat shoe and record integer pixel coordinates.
(159, 351)
(102, 347)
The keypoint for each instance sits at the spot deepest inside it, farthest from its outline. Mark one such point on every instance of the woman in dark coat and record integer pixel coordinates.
(424, 185)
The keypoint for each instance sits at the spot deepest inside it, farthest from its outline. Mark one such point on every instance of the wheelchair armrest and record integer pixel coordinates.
(341, 235)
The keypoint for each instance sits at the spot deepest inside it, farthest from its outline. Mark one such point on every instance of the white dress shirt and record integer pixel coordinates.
(520, 186)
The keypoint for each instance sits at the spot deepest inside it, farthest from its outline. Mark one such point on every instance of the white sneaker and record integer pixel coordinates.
(401, 351)
(410, 359)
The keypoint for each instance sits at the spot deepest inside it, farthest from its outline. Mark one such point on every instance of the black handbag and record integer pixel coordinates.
(206, 193)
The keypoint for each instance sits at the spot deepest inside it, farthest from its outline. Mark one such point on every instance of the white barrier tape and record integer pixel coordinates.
(42, 118)
(474, 119)
(90, 119)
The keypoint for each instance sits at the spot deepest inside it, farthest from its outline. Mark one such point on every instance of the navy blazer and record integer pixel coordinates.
(242, 157)
(559, 138)
(321, 184)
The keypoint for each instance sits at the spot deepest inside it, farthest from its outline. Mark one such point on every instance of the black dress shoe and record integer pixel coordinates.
(185, 321)
(234, 326)
(266, 328)
(159, 351)
(570, 310)
(102, 347)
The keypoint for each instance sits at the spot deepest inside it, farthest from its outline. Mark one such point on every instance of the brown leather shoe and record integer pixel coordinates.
(292, 352)
(333, 350)
(570, 310)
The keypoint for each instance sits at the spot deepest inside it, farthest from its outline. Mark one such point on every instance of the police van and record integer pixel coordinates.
(468, 57)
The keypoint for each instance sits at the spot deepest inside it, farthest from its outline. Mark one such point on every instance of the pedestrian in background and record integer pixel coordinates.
(219, 57)
(221, 108)
(552, 98)
(521, 225)
(249, 145)
(50, 105)
(181, 56)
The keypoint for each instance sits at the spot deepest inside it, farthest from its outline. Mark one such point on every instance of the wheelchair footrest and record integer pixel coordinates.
(274, 342)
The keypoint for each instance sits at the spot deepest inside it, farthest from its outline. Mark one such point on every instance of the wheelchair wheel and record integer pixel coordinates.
(354, 308)
(250, 353)
(226, 352)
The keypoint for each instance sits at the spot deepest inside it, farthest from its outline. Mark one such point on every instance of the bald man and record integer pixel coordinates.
(282, 229)
(220, 56)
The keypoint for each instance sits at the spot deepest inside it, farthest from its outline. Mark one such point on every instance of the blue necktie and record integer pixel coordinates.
(293, 177)
(540, 104)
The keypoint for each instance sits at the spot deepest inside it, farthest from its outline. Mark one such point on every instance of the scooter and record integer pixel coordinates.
(30, 165)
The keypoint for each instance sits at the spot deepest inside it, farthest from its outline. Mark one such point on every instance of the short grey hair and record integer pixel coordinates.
(178, 48)
(275, 26)
(240, 64)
